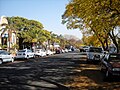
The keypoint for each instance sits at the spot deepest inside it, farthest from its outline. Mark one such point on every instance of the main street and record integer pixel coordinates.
(68, 71)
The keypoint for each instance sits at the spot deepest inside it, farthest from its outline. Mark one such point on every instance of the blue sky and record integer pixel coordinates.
(48, 12)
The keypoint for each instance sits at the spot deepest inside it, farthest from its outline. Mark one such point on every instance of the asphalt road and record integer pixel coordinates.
(67, 71)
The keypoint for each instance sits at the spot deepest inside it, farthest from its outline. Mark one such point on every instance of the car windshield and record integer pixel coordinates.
(3, 53)
(96, 50)
(115, 58)
(29, 51)
(22, 50)
(85, 47)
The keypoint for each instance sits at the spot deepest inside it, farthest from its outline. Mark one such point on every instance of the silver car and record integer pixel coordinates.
(5, 57)
(94, 54)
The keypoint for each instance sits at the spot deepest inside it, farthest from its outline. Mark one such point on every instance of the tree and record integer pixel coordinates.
(54, 38)
(96, 16)
(72, 40)
(62, 41)
(30, 30)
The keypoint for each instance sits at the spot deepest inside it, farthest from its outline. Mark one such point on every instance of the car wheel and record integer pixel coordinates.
(27, 57)
(36, 56)
(0, 61)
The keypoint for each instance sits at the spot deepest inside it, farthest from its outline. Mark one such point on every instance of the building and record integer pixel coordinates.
(7, 36)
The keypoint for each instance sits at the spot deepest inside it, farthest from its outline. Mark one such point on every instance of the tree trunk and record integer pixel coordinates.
(102, 42)
(114, 41)
(119, 44)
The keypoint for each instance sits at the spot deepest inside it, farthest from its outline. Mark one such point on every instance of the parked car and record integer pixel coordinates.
(62, 50)
(25, 54)
(110, 65)
(5, 57)
(81, 49)
(69, 50)
(49, 52)
(94, 54)
(40, 52)
(85, 48)
(58, 50)
(66, 50)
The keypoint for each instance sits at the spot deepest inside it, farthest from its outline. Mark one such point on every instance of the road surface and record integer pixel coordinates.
(68, 71)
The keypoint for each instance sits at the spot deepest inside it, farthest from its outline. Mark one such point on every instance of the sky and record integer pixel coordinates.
(47, 12)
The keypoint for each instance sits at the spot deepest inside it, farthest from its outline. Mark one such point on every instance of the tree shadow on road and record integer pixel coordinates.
(24, 77)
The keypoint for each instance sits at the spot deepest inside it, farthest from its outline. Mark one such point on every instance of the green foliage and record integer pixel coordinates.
(15, 46)
(31, 30)
(99, 17)
(54, 38)
(3, 46)
(23, 24)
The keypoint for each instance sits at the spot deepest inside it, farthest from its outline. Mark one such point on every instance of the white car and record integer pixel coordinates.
(25, 54)
(66, 50)
(40, 52)
(49, 52)
(5, 57)
(94, 54)
(85, 48)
